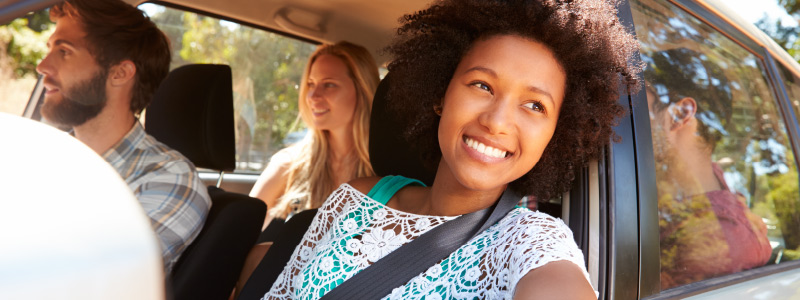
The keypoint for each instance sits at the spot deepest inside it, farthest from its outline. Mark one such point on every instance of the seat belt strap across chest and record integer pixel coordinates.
(397, 268)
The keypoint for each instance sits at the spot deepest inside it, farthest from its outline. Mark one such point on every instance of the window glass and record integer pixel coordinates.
(792, 83)
(23, 44)
(726, 175)
(266, 72)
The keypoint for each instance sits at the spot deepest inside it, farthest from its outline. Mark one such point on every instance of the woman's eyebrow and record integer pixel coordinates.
(325, 78)
(542, 92)
(493, 74)
(481, 69)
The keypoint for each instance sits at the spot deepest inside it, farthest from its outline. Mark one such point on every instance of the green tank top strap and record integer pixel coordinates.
(388, 186)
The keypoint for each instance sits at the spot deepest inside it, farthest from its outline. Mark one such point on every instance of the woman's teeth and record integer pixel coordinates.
(486, 150)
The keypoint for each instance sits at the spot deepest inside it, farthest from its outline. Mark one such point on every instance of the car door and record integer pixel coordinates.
(713, 159)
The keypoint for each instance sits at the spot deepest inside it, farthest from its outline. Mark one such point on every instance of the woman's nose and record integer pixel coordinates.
(497, 117)
(314, 93)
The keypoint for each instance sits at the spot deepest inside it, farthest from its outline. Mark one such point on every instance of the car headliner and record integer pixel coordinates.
(369, 23)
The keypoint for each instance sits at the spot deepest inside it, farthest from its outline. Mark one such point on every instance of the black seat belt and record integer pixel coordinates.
(399, 267)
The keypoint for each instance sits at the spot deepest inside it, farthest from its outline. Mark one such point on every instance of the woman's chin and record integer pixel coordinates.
(483, 184)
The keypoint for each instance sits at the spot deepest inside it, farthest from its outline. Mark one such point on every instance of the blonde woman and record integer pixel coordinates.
(335, 101)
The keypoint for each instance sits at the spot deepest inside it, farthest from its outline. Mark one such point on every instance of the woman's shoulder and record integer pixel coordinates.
(364, 184)
(542, 239)
(531, 232)
(273, 179)
(282, 161)
(287, 155)
(528, 217)
(536, 225)
(349, 196)
(536, 238)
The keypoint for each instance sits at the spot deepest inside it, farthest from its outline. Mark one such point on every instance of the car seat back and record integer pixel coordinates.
(192, 112)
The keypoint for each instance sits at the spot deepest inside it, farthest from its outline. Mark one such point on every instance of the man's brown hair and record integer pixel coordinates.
(116, 31)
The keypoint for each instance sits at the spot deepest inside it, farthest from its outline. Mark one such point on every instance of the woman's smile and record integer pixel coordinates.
(487, 153)
(318, 112)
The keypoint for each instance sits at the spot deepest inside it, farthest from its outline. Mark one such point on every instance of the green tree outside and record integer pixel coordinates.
(267, 69)
(23, 44)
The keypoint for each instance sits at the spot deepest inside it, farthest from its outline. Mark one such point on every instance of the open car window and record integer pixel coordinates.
(23, 44)
(266, 75)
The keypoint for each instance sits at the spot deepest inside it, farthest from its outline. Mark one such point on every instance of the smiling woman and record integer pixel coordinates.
(497, 116)
(335, 102)
(503, 98)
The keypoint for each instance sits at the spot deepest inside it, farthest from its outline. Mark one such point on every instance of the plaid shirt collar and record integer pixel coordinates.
(116, 154)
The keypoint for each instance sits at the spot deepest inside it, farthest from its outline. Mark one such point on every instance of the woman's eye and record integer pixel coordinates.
(63, 52)
(330, 85)
(482, 85)
(535, 106)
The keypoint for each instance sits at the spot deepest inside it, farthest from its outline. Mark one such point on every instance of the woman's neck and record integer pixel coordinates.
(447, 197)
(341, 155)
(341, 143)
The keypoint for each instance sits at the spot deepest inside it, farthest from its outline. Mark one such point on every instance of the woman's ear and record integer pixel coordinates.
(122, 73)
(682, 112)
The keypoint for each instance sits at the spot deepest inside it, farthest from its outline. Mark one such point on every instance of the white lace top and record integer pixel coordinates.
(351, 231)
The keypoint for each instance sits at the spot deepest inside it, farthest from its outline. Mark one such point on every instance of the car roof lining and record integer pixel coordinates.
(368, 23)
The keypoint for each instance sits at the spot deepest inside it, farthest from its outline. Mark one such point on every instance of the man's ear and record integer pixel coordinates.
(682, 112)
(122, 73)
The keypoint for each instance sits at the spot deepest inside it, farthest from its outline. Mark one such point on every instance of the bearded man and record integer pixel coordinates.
(105, 61)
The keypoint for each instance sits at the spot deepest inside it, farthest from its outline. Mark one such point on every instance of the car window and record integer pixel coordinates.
(792, 83)
(266, 74)
(23, 44)
(725, 172)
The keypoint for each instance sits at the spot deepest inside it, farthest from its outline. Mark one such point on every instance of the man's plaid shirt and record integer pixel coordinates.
(167, 186)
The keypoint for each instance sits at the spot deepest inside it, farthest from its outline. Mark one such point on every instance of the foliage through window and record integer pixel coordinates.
(726, 175)
(792, 83)
(23, 44)
(266, 72)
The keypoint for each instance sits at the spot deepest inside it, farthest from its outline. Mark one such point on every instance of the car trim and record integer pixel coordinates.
(748, 30)
(715, 283)
(11, 10)
(603, 211)
(578, 218)
(785, 104)
(35, 100)
(724, 25)
(221, 17)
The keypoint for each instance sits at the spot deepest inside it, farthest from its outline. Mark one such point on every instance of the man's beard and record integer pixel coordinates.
(79, 103)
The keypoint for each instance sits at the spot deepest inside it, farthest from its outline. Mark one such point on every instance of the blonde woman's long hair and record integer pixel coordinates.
(310, 177)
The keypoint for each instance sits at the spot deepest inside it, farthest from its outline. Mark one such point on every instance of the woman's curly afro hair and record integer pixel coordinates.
(594, 49)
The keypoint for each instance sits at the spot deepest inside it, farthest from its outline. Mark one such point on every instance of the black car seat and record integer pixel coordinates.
(389, 154)
(192, 112)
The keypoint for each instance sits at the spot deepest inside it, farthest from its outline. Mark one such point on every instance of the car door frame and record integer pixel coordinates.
(634, 250)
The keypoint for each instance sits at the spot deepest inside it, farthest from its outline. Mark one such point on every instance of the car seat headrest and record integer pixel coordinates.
(389, 152)
(192, 112)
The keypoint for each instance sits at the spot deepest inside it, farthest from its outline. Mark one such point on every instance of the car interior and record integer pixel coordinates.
(199, 111)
